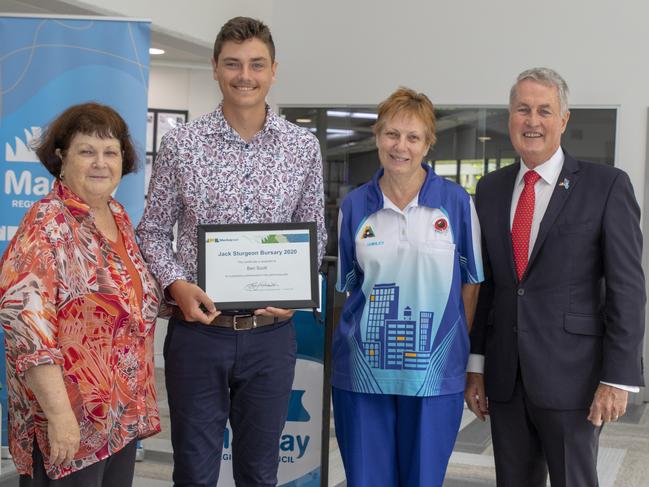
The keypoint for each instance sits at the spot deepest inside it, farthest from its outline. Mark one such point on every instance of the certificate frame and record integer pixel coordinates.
(309, 298)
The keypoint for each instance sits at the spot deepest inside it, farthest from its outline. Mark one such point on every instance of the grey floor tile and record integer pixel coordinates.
(468, 483)
(474, 437)
(633, 414)
(142, 482)
(9, 480)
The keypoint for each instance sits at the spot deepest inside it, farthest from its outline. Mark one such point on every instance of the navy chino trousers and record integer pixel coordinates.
(214, 373)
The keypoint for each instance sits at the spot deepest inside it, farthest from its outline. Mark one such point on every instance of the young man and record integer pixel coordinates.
(560, 318)
(238, 164)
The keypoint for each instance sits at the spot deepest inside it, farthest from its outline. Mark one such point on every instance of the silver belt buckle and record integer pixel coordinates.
(236, 317)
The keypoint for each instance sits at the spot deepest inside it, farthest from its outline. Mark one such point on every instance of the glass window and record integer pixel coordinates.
(471, 142)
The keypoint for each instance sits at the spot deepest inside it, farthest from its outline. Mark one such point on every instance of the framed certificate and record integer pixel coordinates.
(251, 266)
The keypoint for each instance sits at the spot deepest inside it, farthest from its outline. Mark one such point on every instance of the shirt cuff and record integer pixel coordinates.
(476, 364)
(635, 389)
(39, 357)
(168, 278)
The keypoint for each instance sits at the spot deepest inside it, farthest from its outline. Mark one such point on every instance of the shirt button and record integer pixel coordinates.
(515, 329)
(245, 208)
(520, 292)
(247, 146)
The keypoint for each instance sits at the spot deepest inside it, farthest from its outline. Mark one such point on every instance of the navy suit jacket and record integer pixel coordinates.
(577, 315)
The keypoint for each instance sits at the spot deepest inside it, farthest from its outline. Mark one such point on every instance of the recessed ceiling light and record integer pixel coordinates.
(155, 51)
(365, 115)
(303, 120)
(484, 138)
(368, 116)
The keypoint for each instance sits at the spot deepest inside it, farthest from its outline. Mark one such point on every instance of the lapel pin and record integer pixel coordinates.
(565, 183)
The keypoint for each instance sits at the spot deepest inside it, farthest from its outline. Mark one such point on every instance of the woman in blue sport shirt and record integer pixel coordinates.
(409, 259)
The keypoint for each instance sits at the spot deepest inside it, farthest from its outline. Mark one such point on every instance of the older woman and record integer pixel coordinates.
(409, 259)
(78, 307)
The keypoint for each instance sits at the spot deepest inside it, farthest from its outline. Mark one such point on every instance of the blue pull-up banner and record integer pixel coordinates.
(48, 64)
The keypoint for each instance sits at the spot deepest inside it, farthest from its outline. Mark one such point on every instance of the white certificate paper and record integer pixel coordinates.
(258, 265)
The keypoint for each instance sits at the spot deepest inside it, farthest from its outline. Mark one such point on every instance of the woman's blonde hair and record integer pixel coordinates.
(405, 101)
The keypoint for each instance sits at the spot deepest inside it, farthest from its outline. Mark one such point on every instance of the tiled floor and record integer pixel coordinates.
(623, 460)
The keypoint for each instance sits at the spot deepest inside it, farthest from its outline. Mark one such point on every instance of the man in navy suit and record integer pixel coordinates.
(558, 333)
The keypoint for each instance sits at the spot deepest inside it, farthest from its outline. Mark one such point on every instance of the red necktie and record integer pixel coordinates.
(523, 223)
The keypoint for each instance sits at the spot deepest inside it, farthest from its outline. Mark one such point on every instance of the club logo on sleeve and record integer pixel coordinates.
(368, 232)
(441, 225)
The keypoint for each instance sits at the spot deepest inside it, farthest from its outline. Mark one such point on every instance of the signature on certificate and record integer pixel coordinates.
(260, 285)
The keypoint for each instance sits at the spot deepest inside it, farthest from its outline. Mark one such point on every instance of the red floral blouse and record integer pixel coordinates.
(66, 298)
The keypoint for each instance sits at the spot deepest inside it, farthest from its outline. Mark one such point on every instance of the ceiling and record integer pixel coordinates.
(178, 51)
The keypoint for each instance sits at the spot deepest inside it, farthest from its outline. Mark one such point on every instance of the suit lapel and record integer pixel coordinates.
(509, 179)
(560, 194)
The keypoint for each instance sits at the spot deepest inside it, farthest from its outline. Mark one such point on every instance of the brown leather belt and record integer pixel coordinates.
(236, 322)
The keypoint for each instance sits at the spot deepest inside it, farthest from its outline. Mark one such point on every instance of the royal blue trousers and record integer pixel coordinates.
(392, 440)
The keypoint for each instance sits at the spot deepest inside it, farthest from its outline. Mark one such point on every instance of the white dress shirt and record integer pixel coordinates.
(549, 172)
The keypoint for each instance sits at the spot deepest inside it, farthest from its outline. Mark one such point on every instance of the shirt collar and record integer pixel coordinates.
(221, 126)
(549, 170)
(429, 193)
(388, 204)
(77, 207)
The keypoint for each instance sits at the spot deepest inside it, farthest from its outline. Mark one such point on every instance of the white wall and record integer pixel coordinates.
(196, 20)
(468, 52)
(183, 89)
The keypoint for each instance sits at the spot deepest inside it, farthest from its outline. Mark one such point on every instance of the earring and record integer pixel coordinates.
(60, 156)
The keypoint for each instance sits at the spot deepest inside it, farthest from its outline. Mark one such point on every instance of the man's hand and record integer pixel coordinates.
(474, 395)
(189, 298)
(608, 405)
(63, 436)
(280, 313)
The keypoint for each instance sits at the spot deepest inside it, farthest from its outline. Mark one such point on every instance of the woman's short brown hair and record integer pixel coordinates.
(405, 101)
(89, 119)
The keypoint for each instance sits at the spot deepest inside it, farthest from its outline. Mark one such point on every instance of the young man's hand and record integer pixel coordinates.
(194, 303)
(280, 313)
